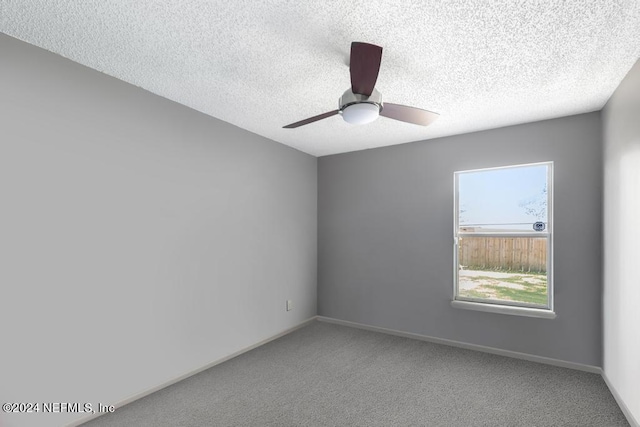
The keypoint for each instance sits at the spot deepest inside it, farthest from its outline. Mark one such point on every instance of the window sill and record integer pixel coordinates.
(505, 309)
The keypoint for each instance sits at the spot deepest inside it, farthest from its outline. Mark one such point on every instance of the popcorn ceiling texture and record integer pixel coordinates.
(261, 65)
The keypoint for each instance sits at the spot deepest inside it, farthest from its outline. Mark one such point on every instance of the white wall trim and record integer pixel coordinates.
(508, 353)
(623, 406)
(193, 372)
(504, 309)
(452, 343)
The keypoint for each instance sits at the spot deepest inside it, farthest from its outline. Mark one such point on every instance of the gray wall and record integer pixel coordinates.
(621, 133)
(385, 227)
(139, 239)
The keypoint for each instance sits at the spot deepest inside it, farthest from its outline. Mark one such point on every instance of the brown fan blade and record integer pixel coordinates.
(364, 67)
(417, 116)
(311, 119)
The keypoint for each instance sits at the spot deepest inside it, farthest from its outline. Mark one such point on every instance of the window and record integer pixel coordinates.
(503, 240)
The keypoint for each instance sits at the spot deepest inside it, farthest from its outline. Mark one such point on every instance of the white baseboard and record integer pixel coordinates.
(452, 343)
(623, 406)
(508, 353)
(193, 372)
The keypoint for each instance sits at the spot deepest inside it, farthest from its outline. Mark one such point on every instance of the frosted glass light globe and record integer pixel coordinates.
(360, 114)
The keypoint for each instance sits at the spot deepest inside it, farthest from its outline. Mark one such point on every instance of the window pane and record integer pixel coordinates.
(510, 269)
(509, 199)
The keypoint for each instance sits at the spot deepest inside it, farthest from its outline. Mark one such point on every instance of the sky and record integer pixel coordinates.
(496, 196)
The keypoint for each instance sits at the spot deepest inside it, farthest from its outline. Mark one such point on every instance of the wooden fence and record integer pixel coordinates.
(503, 253)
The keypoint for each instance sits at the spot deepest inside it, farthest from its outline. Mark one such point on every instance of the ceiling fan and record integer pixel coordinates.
(362, 103)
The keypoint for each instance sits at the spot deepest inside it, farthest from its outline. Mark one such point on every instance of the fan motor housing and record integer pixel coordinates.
(350, 98)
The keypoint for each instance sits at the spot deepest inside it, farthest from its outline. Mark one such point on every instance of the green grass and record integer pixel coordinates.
(504, 270)
(532, 293)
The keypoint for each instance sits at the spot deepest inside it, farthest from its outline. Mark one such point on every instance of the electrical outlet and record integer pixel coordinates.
(289, 305)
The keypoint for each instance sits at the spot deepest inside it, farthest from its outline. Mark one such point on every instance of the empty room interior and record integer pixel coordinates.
(320, 214)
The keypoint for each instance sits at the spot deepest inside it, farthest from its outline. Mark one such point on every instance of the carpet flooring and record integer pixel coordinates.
(331, 375)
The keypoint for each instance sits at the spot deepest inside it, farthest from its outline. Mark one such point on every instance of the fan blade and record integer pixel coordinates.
(417, 116)
(311, 119)
(364, 67)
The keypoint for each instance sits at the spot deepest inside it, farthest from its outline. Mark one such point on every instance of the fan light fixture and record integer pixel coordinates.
(361, 113)
(362, 103)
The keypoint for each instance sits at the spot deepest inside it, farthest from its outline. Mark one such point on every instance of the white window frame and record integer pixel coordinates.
(500, 306)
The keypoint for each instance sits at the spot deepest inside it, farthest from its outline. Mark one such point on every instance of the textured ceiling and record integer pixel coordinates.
(261, 65)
